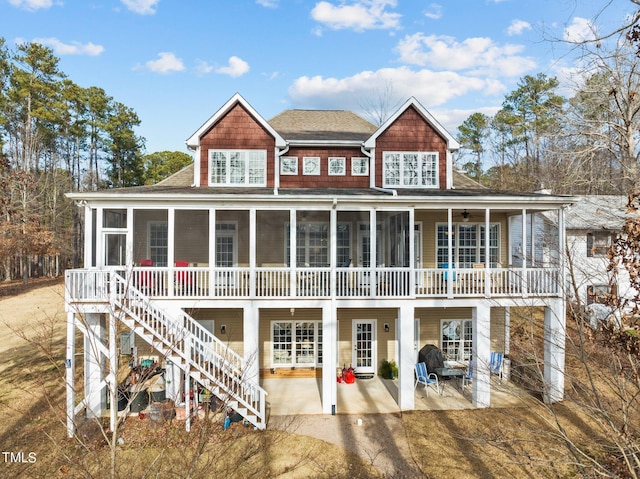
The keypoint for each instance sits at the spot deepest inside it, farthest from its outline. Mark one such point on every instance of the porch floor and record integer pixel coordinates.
(368, 396)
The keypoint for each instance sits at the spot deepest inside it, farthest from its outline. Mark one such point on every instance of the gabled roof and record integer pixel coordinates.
(194, 140)
(594, 212)
(452, 144)
(322, 125)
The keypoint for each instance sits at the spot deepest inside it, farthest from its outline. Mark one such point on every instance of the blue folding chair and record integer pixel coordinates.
(428, 379)
(495, 364)
(468, 376)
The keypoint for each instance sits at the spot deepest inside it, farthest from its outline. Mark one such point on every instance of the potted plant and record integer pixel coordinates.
(388, 369)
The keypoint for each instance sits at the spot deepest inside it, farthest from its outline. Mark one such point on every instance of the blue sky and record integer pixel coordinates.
(176, 62)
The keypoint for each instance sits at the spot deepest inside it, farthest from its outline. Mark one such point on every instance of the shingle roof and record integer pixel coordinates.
(597, 212)
(323, 125)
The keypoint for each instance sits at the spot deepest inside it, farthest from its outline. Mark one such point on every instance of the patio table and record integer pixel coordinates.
(451, 372)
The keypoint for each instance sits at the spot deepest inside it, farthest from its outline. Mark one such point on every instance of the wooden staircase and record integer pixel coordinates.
(197, 352)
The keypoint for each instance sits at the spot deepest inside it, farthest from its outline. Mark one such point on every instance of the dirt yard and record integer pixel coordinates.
(518, 442)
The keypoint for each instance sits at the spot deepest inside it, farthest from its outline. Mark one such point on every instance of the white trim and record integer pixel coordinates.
(337, 160)
(194, 140)
(452, 144)
(419, 172)
(291, 161)
(374, 345)
(247, 167)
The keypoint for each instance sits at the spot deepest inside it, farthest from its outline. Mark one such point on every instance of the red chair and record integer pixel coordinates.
(145, 281)
(184, 279)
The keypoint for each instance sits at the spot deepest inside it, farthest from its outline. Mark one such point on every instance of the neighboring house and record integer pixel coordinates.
(306, 242)
(592, 225)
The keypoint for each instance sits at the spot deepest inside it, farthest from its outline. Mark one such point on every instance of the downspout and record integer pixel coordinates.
(276, 179)
(372, 180)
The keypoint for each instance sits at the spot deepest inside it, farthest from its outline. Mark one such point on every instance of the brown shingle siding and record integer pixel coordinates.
(236, 130)
(410, 132)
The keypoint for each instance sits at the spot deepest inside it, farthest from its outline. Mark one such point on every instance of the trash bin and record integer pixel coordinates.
(157, 389)
(138, 399)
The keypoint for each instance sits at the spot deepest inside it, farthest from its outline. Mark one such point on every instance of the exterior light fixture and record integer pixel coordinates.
(465, 216)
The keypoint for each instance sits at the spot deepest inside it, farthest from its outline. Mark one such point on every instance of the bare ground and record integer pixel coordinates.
(515, 442)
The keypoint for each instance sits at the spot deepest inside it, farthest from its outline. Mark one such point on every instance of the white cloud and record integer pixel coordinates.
(517, 27)
(580, 30)
(166, 63)
(236, 67)
(434, 12)
(479, 55)
(359, 16)
(73, 48)
(430, 87)
(31, 5)
(203, 67)
(268, 3)
(143, 7)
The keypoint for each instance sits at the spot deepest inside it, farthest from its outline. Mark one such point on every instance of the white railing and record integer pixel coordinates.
(185, 337)
(200, 283)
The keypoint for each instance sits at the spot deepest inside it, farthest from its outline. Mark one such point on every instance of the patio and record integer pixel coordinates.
(369, 396)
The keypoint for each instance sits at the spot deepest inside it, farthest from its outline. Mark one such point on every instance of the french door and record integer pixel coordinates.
(364, 346)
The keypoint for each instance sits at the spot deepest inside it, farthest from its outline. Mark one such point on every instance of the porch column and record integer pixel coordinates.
(481, 353)
(129, 239)
(450, 259)
(172, 381)
(70, 364)
(412, 254)
(212, 249)
(250, 327)
(523, 274)
(293, 247)
(373, 245)
(252, 252)
(333, 257)
(406, 356)
(88, 237)
(100, 256)
(171, 244)
(554, 351)
(94, 364)
(329, 358)
(487, 253)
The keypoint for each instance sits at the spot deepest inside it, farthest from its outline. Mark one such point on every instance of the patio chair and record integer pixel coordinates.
(145, 280)
(428, 379)
(184, 279)
(495, 364)
(468, 375)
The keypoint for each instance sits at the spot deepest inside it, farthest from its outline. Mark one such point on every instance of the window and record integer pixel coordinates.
(468, 244)
(238, 167)
(337, 166)
(596, 293)
(456, 339)
(359, 166)
(158, 243)
(410, 169)
(296, 343)
(598, 242)
(313, 245)
(289, 165)
(311, 165)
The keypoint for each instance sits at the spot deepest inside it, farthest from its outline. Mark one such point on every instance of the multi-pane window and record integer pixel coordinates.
(158, 243)
(410, 169)
(296, 343)
(238, 167)
(312, 244)
(225, 242)
(598, 242)
(468, 244)
(456, 339)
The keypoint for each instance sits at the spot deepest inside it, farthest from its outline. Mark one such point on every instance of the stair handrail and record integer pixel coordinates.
(234, 381)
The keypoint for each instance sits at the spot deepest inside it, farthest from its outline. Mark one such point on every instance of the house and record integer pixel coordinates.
(300, 244)
(592, 225)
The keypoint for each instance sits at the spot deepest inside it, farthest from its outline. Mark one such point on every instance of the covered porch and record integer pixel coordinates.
(376, 395)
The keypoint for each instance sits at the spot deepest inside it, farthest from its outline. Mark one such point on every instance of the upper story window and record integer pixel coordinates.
(408, 169)
(237, 167)
(598, 242)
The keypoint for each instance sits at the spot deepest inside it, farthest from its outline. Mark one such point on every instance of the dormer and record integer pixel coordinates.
(412, 150)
